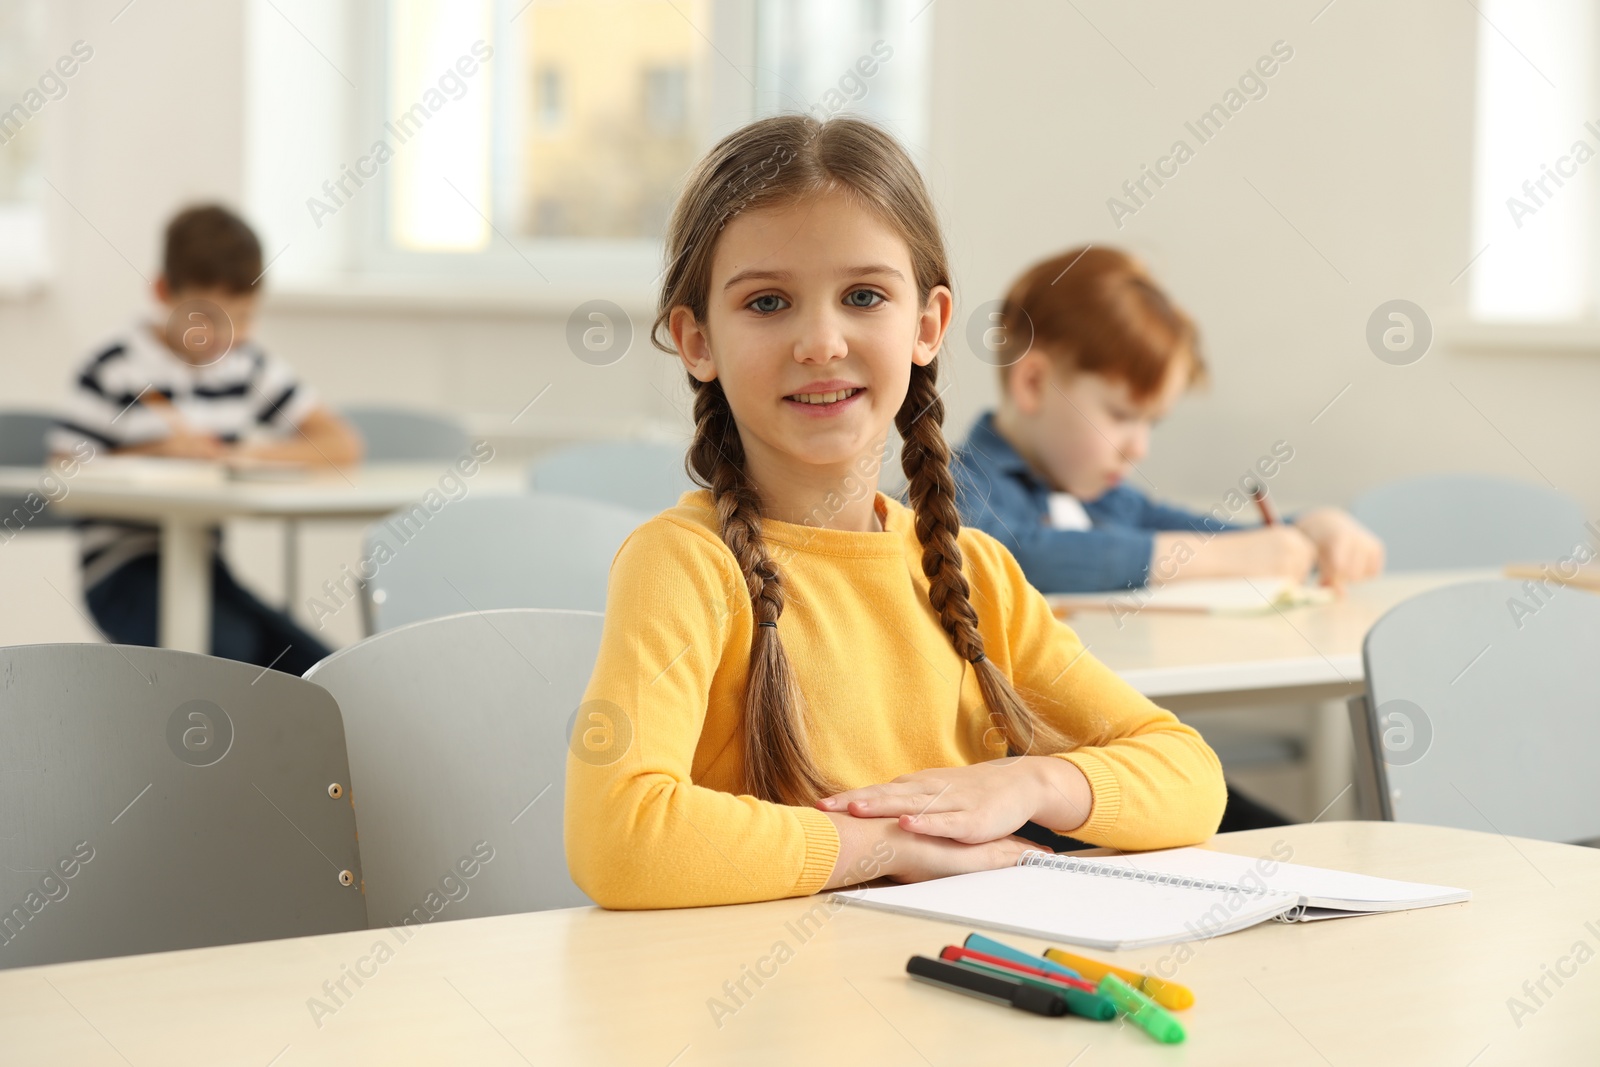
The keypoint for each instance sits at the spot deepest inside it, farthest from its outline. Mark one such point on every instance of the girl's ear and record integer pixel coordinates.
(932, 325)
(692, 342)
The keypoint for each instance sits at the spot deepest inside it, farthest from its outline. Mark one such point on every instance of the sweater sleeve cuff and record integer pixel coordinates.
(1105, 793)
(822, 851)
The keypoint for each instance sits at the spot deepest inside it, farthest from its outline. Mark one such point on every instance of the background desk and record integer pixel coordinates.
(1188, 662)
(1307, 656)
(584, 986)
(186, 511)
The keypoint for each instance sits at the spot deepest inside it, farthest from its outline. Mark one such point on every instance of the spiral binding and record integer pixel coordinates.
(1129, 874)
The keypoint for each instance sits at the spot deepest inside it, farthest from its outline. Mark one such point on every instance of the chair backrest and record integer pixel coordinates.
(399, 435)
(1482, 710)
(22, 445)
(647, 476)
(492, 552)
(153, 800)
(1445, 521)
(22, 438)
(458, 731)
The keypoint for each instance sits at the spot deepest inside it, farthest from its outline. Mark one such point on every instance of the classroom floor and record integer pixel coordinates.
(40, 589)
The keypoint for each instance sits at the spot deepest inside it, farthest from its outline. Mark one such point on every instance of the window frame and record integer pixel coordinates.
(1469, 327)
(560, 269)
(535, 276)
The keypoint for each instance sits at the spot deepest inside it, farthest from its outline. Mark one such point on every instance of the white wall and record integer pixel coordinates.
(1363, 143)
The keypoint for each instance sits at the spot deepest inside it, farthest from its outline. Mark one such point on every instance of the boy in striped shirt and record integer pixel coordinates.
(196, 386)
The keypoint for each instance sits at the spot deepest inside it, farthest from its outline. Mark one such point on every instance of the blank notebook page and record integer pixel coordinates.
(1315, 886)
(1151, 898)
(1081, 909)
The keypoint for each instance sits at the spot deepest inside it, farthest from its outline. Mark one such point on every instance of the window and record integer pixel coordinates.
(29, 84)
(864, 57)
(666, 101)
(623, 92)
(1534, 218)
(547, 100)
(541, 142)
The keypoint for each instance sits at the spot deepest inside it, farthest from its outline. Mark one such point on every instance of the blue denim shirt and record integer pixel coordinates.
(997, 492)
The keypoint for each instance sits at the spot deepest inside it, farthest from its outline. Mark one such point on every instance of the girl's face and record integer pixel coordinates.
(812, 326)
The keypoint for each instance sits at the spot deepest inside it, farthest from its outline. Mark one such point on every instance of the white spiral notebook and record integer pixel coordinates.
(1150, 898)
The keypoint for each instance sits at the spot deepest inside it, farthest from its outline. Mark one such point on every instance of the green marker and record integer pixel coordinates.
(1088, 1005)
(1143, 1012)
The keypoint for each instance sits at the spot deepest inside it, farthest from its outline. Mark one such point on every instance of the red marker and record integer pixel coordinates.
(955, 953)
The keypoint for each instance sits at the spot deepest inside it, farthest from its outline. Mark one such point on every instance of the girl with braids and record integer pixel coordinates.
(802, 683)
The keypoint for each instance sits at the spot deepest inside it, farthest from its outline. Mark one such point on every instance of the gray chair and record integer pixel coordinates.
(1444, 521)
(643, 475)
(492, 552)
(458, 731)
(400, 435)
(153, 800)
(1482, 711)
(22, 445)
(388, 435)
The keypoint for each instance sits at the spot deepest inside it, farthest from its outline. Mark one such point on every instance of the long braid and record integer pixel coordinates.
(779, 765)
(776, 161)
(931, 489)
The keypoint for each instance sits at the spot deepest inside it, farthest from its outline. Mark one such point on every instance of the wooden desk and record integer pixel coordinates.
(190, 502)
(593, 987)
(1297, 656)
(1191, 662)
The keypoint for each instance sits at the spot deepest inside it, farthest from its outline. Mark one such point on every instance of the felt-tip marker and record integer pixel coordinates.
(1032, 969)
(1089, 1005)
(973, 983)
(979, 943)
(1167, 994)
(1143, 1012)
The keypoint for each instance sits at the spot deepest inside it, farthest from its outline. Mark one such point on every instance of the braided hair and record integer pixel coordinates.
(771, 162)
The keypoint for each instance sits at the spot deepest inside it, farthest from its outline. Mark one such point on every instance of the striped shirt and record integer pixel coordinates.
(245, 395)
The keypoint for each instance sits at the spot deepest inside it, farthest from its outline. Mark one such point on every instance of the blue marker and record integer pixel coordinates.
(979, 943)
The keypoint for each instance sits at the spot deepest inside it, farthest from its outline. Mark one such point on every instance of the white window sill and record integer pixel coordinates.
(1574, 337)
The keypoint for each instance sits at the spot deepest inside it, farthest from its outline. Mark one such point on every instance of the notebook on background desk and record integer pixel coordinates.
(1150, 898)
(1197, 596)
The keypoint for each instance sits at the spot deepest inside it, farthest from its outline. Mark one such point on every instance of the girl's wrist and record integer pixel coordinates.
(866, 850)
(1062, 797)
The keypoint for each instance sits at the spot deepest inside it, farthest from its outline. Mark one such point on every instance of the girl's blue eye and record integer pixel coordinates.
(876, 298)
(765, 296)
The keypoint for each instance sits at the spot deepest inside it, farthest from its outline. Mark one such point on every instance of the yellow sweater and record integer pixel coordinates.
(654, 817)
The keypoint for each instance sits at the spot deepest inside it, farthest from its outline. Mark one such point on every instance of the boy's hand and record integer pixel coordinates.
(975, 804)
(1279, 551)
(1346, 550)
(181, 443)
